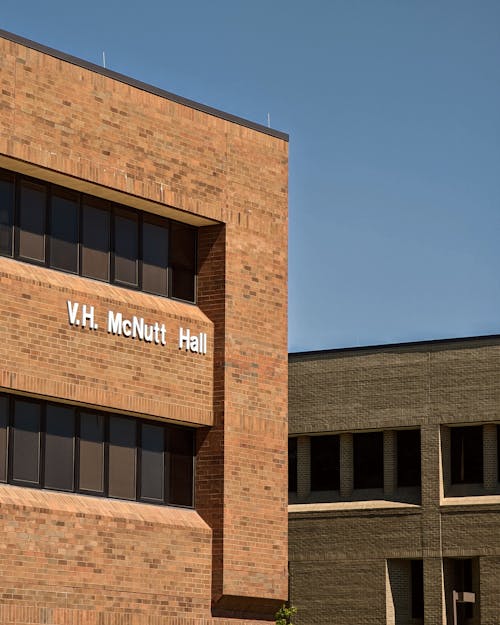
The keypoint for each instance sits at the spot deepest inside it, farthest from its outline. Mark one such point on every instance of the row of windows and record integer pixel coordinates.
(466, 459)
(61, 447)
(69, 231)
(368, 460)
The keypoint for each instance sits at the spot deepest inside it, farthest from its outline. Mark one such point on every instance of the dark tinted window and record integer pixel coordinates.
(466, 455)
(126, 234)
(91, 468)
(64, 230)
(95, 241)
(417, 589)
(368, 460)
(408, 455)
(122, 450)
(152, 462)
(183, 261)
(6, 213)
(180, 447)
(59, 447)
(325, 463)
(32, 211)
(4, 424)
(292, 465)
(155, 257)
(26, 442)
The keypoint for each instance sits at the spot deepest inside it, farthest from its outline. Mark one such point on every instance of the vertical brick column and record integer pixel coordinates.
(434, 600)
(346, 466)
(446, 459)
(390, 463)
(490, 460)
(303, 467)
(432, 471)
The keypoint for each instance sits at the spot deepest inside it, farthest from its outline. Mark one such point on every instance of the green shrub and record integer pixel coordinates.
(285, 614)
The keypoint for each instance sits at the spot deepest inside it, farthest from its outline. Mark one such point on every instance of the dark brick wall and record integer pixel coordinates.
(338, 551)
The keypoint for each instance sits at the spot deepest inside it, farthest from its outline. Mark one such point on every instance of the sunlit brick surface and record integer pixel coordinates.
(229, 557)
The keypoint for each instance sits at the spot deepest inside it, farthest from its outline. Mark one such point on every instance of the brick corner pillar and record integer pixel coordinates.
(346, 466)
(434, 599)
(390, 463)
(303, 467)
(490, 466)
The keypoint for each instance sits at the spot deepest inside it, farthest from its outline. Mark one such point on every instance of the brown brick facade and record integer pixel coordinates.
(350, 553)
(68, 558)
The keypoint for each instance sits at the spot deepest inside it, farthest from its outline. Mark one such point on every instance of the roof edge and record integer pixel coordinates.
(407, 344)
(74, 60)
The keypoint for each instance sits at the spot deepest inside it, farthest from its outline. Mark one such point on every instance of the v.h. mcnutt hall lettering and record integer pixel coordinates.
(136, 328)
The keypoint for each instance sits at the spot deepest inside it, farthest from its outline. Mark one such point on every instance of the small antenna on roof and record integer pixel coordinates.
(269, 120)
(104, 59)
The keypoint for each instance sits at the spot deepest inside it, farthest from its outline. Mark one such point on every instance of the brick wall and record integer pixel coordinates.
(94, 366)
(60, 121)
(340, 550)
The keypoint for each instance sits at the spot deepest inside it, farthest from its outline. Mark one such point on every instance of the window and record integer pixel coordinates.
(417, 588)
(292, 465)
(462, 576)
(466, 455)
(126, 237)
(154, 256)
(25, 448)
(59, 447)
(180, 466)
(91, 453)
(6, 212)
(183, 260)
(408, 457)
(152, 450)
(325, 463)
(91, 237)
(31, 230)
(64, 230)
(95, 240)
(4, 423)
(368, 460)
(122, 457)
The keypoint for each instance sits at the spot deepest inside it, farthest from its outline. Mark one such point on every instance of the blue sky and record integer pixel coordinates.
(393, 111)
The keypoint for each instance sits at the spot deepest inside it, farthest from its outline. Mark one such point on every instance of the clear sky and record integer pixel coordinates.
(393, 111)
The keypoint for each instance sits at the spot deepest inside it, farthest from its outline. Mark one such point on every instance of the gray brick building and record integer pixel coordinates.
(394, 501)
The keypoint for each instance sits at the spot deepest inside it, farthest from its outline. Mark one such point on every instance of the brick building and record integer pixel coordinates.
(143, 367)
(394, 483)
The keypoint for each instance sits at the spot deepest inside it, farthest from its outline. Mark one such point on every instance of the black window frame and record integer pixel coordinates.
(166, 429)
(113, 209)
